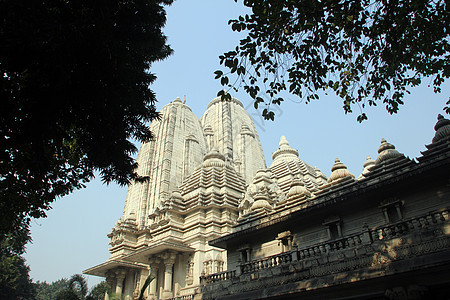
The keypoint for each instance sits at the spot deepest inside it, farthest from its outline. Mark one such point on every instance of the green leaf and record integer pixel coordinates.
(224, 80)
(218, 74)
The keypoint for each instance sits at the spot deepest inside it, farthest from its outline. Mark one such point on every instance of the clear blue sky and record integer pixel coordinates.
(73, 236)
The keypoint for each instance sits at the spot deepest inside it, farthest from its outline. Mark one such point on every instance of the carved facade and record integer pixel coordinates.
(384, 235)
(213, 222)
(198, 171)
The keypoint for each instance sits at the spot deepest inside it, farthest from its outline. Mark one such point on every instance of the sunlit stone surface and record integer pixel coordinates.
(214, 222)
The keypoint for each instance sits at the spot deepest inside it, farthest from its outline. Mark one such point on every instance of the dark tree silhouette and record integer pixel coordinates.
(74, 90)
(367, 52)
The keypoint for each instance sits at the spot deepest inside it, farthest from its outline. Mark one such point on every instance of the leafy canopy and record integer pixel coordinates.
(74, 90)
(50, 291)
(15, 282)
(367, 51)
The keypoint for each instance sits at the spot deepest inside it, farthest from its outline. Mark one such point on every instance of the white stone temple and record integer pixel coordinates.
(198, 171)
(214, 222)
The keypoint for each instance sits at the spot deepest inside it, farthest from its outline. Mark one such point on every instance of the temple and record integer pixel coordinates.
(214, 222)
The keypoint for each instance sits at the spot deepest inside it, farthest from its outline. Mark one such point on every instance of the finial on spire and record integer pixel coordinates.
(387, 151)
(442, 128)
(284, 151)
(385, 146)
(283, 141)
(339, 171)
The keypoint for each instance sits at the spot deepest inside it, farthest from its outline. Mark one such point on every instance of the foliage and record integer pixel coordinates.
(15, 282)
(75, 288)
(74, 89)
(45, 291)
(67, 295)
(98, 291)
(78, 285)
(367, 52)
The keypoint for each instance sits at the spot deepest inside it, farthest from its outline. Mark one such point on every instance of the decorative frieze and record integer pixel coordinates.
(368, 252)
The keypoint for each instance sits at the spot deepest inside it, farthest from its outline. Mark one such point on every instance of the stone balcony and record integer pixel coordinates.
(406, 249)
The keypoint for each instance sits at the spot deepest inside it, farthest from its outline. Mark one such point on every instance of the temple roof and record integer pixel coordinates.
(284, 152)
(339, 171)
(219, 99)
(442, 128)
(387, 152)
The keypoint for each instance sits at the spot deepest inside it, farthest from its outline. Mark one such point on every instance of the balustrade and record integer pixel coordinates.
(184, 297)
(403, 227)
(267, 262)
(384, 232)
(218, 276)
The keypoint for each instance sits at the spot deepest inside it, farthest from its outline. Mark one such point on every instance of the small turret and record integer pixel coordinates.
(284, 152)
(442, 128)
(387, 151)
(339, 171)
(368, 164)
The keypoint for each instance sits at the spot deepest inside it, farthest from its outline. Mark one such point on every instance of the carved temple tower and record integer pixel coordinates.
(213, 222)
(198, 170)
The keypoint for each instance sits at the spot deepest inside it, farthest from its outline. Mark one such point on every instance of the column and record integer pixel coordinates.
(339, 229)
(399, 211)
(110, 280)
(154, 267)
(120, 276)
(169, 260)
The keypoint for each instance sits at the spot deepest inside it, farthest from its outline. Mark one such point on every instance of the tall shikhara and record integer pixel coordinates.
(198, 171)
(213, 222)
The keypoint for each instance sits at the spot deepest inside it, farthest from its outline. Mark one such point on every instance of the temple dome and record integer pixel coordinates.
(213, 158)
(442, 128)
(386, 151)
(297, 189)
(230, 129)
(261, 201)
(286, 163)
(178, 141)
(339, 171)
(284, 151)
(368, 164)
(219, 99)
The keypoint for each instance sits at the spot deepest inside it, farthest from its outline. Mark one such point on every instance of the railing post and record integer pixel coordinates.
(295, 256)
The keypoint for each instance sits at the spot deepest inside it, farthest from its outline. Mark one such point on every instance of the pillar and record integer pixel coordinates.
(120, 276)
(169, 260)
(110, 280)
(154, 267)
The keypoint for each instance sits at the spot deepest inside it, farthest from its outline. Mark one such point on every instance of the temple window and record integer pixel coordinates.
(392, 210)
(333, 225)
(285, 239)
(246, 252)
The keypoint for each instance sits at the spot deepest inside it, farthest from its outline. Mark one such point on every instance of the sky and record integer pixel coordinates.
(73, 236)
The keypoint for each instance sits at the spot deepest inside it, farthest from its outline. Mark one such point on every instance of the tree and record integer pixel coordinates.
(78, 285)
(45, 291)
(98, 291)
(15, 283)
(67, 295)
(367, 52)
(74, 90)
(75, 288)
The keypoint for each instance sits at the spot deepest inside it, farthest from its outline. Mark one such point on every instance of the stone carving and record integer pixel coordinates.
(262, 194)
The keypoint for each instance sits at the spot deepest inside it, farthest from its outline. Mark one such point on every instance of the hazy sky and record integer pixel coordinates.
(73, 236)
